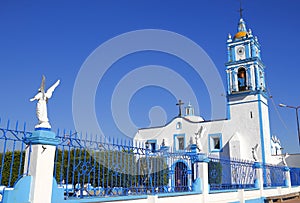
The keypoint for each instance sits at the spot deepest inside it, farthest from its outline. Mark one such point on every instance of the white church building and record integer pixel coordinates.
(245, 133)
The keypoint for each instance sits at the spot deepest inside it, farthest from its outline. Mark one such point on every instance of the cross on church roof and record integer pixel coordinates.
(179, 104)
(241, 9)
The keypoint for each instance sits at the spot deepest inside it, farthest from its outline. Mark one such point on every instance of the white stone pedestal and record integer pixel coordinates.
(40, 156)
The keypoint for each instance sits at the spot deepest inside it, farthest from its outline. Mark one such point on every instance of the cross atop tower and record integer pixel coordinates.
(241, 9)
(179, 104)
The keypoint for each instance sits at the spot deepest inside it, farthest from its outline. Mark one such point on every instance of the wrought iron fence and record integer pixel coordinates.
(225, 174)
(274, 176)
(295, 176)
(89, 166)
(12, 154)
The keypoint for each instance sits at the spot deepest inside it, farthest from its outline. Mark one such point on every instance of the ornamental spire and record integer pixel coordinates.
(242, 25)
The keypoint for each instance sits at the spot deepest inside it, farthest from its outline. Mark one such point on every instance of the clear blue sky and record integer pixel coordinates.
(55, 38)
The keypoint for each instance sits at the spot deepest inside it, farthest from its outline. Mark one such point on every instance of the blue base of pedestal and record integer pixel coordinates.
(21, 192)
(197, 186)
(42, 136)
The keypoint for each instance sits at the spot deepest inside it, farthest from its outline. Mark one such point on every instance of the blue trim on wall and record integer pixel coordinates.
(228, 110)
(228, 82)
(258, 200)
(261, 132)
(247, 54)
(210, 137)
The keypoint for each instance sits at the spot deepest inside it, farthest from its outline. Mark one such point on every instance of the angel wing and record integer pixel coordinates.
(254, 152)
(42, 88)
(283, 159)
(49, 92)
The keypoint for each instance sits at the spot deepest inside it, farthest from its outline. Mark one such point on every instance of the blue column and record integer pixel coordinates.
(256, 72)
(249, 78)
(228, 81)
(234, 80)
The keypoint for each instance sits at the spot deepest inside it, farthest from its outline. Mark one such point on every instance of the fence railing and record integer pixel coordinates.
(225, 174)
(295, 176)
(274, 176)
(88, 166)
(12, 154)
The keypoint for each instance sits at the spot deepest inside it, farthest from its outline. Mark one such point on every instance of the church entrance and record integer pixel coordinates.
(181, 177)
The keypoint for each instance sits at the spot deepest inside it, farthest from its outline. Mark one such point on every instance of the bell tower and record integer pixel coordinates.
(246, 92)
(245, 70)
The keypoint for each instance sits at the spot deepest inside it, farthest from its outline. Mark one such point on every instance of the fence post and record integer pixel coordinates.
(43, 145)
(259, 180)
(37, 185)
(287, 181)
(201, 182)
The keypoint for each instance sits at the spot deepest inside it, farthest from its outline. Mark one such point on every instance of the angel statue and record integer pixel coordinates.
(41, 107)
(199, 135)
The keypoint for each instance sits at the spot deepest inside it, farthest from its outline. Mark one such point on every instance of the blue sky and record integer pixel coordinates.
(55, 39)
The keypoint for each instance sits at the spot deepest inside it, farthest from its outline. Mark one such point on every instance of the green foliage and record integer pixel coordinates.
(11, 168)
(214, 172)
(153, 171)
(107, 168)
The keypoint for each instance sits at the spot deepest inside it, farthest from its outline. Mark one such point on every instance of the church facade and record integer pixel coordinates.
(245, 133)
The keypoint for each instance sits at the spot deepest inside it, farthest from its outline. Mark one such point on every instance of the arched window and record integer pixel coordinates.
(242, 79)
(178, 125)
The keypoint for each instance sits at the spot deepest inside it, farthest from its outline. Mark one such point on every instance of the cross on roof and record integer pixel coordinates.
(179, 104)
(241, 9)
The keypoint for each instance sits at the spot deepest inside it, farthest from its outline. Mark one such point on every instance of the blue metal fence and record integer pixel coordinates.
(295, 176)
(90, 166)
(274, 176)
(12, 154)
(224, 174)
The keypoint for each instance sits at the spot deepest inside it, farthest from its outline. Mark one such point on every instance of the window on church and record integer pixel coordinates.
(242, 79)
(179, 142)
(178, 125)
(215, 142)
(151, 145)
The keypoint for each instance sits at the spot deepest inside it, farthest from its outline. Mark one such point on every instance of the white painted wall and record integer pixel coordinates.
(224, 197)
(244, 121)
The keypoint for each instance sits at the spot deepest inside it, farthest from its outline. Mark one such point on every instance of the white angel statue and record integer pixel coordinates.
(41, 107)
(199, 135)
